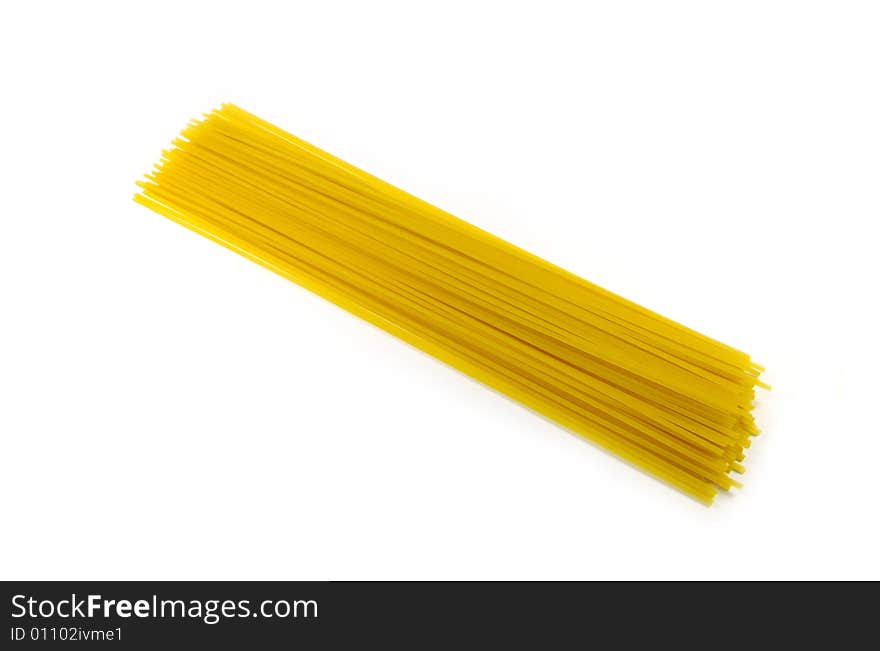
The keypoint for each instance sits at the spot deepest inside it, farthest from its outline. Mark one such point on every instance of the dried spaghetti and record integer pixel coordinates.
(665, 398)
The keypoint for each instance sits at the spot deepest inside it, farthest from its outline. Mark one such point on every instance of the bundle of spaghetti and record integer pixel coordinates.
(665, 398)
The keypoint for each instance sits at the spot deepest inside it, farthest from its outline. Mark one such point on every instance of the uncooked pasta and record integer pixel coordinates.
(669, 400)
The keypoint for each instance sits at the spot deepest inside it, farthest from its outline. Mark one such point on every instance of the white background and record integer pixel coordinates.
(170, 410)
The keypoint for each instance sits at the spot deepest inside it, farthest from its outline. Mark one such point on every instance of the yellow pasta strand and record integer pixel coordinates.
(669, 400)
